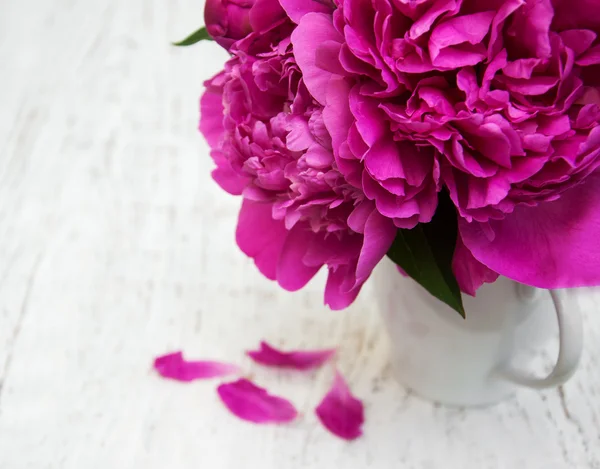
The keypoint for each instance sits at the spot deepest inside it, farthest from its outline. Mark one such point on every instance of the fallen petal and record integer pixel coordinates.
(299, 360)
(249, 402)
(340, 412)
(174, 366)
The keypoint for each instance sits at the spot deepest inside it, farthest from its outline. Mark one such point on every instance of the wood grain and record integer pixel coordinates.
(117, 246)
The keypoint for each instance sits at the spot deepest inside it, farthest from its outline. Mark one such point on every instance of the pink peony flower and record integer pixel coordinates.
(340, 122)
(229, 21)
(270, 144)
(497, 100)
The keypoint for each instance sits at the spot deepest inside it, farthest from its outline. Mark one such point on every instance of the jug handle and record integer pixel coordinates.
(571, 345)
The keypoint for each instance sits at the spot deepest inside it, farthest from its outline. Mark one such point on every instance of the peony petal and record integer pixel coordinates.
(249, 402)
(327, 57)
(332, 250)
(554, 125)
(466, 81)
(456, 57)
(424, 23)
(298, 359)
(260, 237)
(336, 115)
(359, 216)
(534, 86)
(299, 137)
(531, 24)
(570, 14)
(588, 116)
(469, 28)
(174, 366)
(296, 9)
(336, 296)
(383, 160)
(265, 13)
(521, 68)
(379, 236)
(319, 157)
(553, 245)
(314, 28)
(469, 272)
(292, 273)
(340, 412)
(211, 116)
(578, 40)
(226, 177)
(504, 11)
(591, 57)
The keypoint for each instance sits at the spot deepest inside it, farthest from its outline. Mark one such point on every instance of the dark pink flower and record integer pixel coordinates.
(401, 178)
(229, 21)
(340, 412)
(297, 359)
(497, 100)
(174, 366)
(270, 144)
(249, 402)
(340, 121)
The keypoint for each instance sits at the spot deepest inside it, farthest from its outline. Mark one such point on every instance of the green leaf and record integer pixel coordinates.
(197, 36)
(425, 253)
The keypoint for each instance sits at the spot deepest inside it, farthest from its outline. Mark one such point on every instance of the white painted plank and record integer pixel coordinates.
(117, 246)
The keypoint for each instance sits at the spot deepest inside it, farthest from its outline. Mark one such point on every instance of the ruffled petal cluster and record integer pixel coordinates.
(270, 144)
(341, 121)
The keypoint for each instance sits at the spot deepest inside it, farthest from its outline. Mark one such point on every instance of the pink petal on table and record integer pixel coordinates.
(174, 366)
(249, 402)
(299, 360)
(340, 412)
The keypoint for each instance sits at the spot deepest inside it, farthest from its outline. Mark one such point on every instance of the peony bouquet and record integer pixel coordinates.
(460, 138)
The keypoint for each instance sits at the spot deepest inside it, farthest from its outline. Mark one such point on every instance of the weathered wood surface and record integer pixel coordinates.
(116, 246)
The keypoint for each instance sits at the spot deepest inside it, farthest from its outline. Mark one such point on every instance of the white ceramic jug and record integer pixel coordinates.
(477, 360)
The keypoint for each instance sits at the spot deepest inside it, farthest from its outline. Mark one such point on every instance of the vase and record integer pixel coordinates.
(485, 357)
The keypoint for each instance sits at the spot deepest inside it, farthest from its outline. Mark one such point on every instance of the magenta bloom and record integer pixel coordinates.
(495, 100)
(340, 122)
(229, 21)
(486, 89)
(270, 144)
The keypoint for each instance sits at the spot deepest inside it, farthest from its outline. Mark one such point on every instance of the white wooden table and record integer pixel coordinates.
(116, 246)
